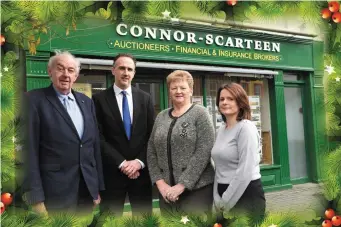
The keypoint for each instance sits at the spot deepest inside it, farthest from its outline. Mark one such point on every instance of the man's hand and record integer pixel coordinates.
(40, 208)
(163, 188)
(97, 201)
(134, 175)
(174, 192)
(130, 167)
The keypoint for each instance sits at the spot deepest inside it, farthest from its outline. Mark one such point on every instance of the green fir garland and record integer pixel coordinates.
(20, 16)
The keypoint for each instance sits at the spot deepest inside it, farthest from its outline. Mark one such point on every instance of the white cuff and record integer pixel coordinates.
(142, 164)
(120, 166)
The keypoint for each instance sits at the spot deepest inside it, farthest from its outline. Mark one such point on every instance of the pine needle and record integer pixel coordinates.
(63, 220)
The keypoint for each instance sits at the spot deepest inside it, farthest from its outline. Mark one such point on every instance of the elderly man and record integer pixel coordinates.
(64, 167)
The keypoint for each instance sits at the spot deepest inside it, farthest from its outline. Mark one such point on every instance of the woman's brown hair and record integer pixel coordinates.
(241, 98)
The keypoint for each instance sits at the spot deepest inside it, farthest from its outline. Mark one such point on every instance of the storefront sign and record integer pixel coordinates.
(165, 40)
(150, 33)
(185, 43)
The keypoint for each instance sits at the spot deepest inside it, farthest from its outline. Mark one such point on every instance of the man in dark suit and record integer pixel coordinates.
(125, 118)
(64, 167)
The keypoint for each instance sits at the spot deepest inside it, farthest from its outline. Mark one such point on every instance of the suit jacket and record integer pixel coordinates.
(57, 157)
(115, 145)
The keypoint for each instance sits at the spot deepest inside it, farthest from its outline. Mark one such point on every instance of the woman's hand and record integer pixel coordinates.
(219, 207)
(163, 188)
(174, 192)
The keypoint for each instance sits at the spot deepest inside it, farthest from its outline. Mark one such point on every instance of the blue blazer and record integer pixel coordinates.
(56, 156)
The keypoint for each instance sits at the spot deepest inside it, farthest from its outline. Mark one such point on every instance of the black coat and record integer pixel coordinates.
(56, 156)
(115, 146)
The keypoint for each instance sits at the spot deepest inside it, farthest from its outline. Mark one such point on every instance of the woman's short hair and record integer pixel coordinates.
(242, 100)
(180, 75)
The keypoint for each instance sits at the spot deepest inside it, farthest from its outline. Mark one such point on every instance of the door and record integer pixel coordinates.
(295, 133)
(154, 87)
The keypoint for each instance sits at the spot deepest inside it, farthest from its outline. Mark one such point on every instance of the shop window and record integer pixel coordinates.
(245, 86)
(90, 84)
(258, 92)
(153, 89)
(290, 77)
(257, 88)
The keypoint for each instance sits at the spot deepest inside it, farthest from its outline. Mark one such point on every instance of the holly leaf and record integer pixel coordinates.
(9, 58)
(15, 27)
(314, 222)
(113, 11)
(94, 7)
(337, 36)
(103, 13)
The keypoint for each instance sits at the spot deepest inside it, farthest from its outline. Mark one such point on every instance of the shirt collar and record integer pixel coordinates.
(62, 96)
(118, 90)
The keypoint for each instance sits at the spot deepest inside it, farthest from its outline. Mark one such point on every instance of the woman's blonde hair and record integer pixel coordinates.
(182, 76)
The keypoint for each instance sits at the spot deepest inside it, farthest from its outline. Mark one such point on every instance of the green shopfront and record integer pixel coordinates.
(281, 73)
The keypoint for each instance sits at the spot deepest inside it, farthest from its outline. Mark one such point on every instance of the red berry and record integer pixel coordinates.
(334, 6)
(2, 207)
(327, 223)
(336, 220)
(231, 2)
(217, 225)
(336, 17)
(329, 213)
(6, 198)
(325, 13)
(2, 40)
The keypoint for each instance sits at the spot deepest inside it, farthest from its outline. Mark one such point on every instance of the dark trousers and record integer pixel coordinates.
(251, 203)
(85, 201)
(138, 190)
(195, 201)
(82, 204)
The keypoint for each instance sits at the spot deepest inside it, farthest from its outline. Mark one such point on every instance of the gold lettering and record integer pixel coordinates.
(117, 43)
(266, 57)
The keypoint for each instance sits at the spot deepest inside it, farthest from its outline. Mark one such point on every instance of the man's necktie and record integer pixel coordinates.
(126, 114)
(74, 114)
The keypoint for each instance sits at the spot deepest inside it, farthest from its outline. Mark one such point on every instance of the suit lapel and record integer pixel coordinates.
(135, 107)
(113, 106)
(81, 104)
(53, 99)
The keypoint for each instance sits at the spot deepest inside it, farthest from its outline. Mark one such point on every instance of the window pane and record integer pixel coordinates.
(258, 92)
(291, 77)
(96, 82)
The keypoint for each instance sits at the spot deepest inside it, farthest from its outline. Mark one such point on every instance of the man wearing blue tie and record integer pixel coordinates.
(125, 118)
(63, 163)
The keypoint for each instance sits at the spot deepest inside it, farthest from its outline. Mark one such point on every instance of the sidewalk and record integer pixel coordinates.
(302, 200)
(300, 197)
